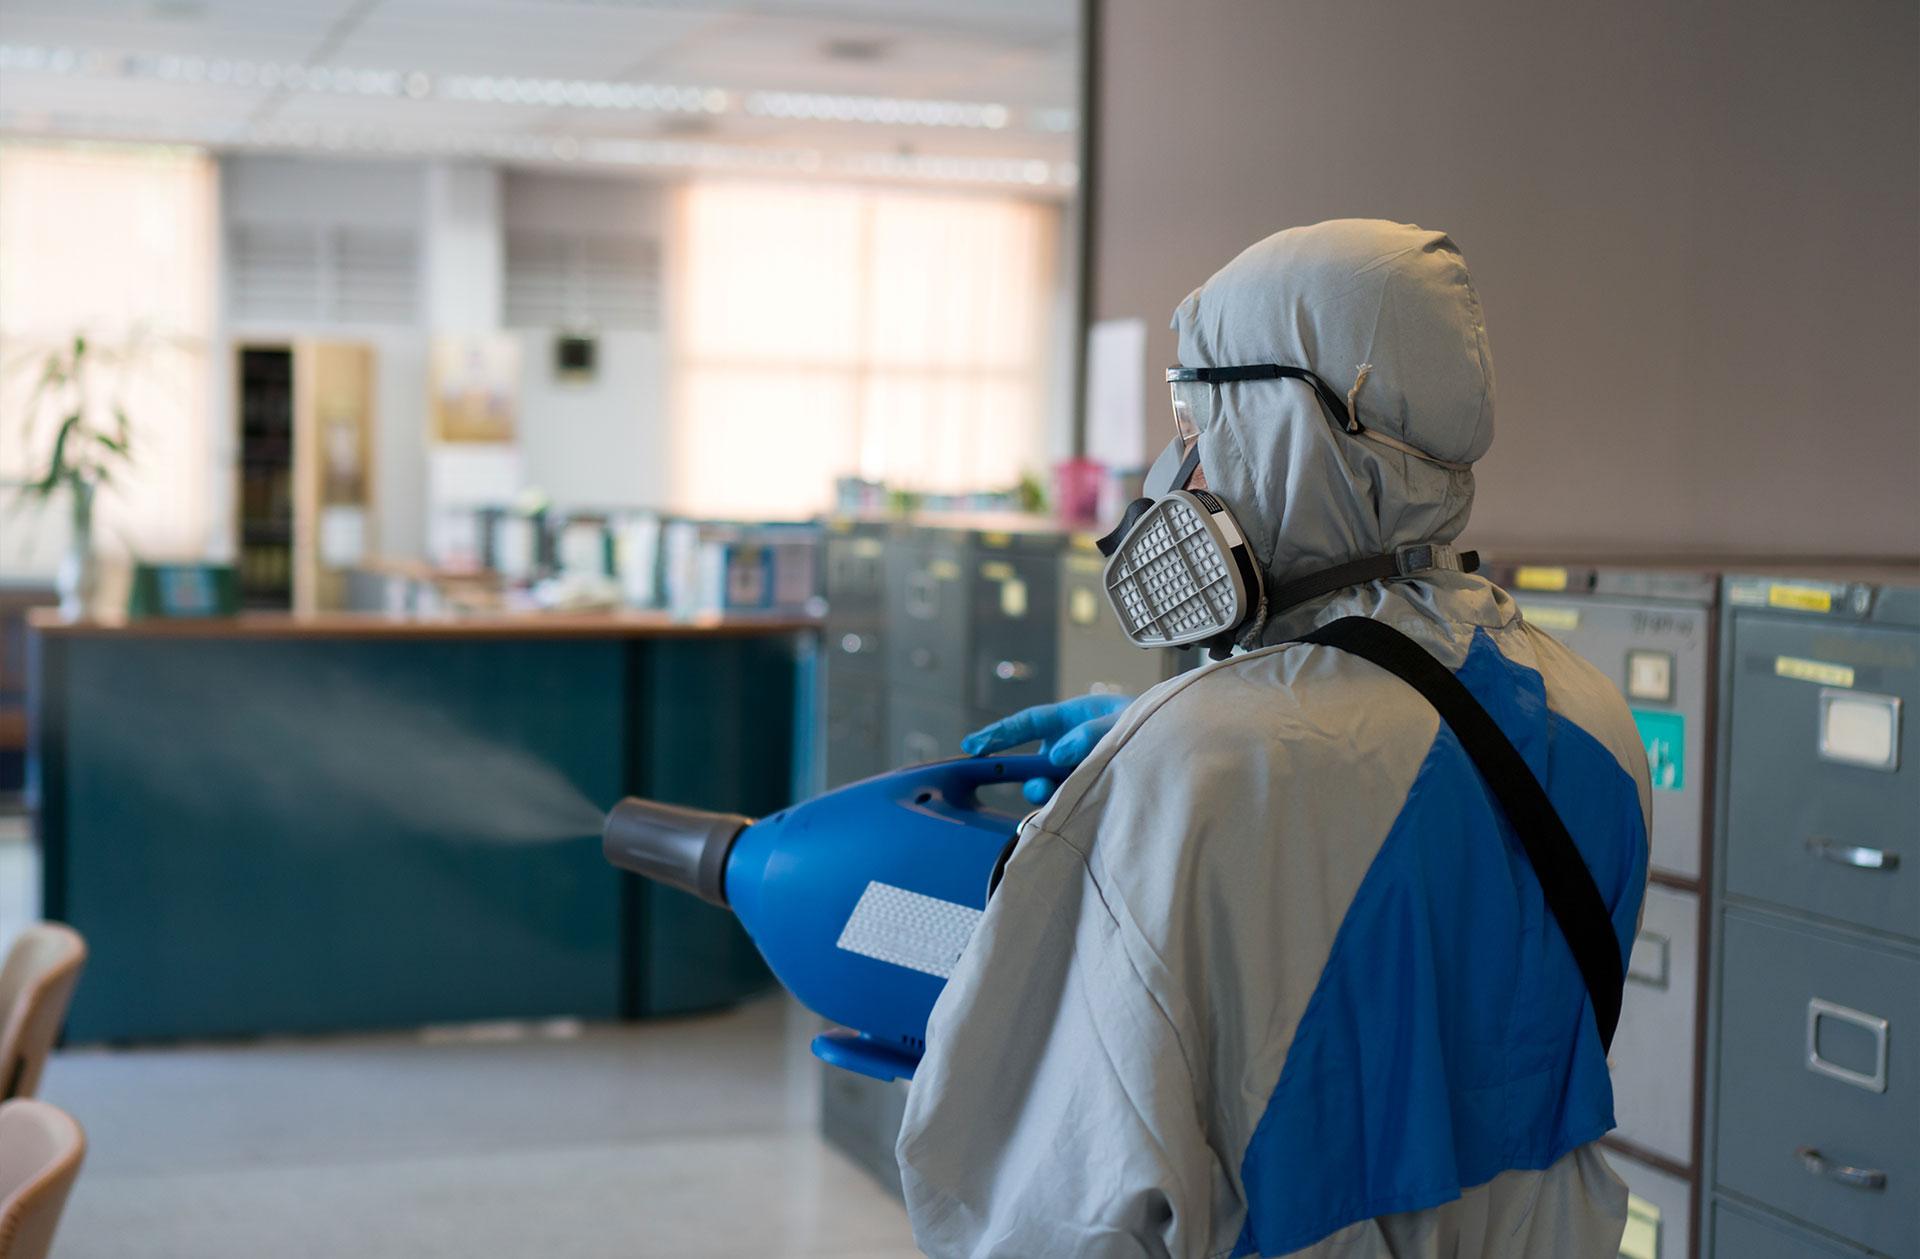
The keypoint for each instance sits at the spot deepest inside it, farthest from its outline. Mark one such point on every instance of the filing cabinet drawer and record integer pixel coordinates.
(1653, 1051)
(855, 581)
(855, 571)
(921, 729)
(853, 645)
(1660, 656)
(1739, 1234)
(1824, 776)
(926, 622)
(856, 738)
(1660, 1219)
(1818, 1099)
(1015, 652)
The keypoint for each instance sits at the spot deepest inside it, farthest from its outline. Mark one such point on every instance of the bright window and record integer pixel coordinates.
(823, 332)
(115, 243)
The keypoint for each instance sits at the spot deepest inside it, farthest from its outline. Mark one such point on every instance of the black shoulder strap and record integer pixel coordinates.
(1571, 894)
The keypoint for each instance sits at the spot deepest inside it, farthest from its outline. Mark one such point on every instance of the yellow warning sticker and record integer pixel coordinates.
(1813, 671)
(998, 541)
(1533, 577)
(867, 548)
(997, 570)
(1565, 620)
(943, 570)
(1800, 598)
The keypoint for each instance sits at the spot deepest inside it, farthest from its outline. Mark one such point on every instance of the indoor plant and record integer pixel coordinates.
(91, 443)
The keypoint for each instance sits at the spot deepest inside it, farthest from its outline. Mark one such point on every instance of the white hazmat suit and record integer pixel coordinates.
(1270, 974)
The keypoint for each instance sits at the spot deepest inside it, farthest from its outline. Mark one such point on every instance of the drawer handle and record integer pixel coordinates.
(921, 657)
(1013, 671)
(1852, 855)
(1859, 1177)
(1874, 1081)
(853, 644)
(923, 597)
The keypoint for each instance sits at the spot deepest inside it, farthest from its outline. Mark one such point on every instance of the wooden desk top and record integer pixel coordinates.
(377, 625)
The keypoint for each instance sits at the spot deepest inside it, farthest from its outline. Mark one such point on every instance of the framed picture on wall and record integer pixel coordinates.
(474, 382)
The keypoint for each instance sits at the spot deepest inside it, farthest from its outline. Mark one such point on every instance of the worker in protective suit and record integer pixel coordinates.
(1273, 972)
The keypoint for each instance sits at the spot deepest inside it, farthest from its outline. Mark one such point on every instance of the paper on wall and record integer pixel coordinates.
(343, 535)
(1116, 405)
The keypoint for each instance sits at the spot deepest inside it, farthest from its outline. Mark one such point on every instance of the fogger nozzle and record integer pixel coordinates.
(681, 847)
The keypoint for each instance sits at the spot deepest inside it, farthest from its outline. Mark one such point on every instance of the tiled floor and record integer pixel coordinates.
(694, 1137)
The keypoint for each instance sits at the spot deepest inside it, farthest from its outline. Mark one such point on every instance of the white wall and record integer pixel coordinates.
(1695, 230)
(595, 444)
(601, 443)
(604, 442)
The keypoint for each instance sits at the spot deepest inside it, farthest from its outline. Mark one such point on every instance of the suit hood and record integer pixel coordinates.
(1386, 310)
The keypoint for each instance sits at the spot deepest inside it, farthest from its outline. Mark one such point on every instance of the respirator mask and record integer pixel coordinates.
(1179, 568)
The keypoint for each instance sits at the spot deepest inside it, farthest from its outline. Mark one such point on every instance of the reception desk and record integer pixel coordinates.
(291, 824)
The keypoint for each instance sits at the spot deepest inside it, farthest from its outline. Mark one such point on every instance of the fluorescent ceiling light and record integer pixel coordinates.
(604, 94)
(1035, 174)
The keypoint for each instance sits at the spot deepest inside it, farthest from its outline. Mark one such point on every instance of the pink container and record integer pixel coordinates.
(1076, 490)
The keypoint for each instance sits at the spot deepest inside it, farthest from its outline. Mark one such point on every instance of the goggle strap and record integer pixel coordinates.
(1336, 405)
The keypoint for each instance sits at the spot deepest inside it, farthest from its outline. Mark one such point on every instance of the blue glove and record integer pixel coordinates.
(1067, 731)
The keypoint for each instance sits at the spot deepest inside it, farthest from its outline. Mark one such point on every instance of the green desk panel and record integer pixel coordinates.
(308, 835)
(718, 731)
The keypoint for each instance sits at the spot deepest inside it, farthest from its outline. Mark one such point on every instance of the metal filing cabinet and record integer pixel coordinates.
(1651, 632)
(926, 624)
(1015, 648)
(975, 623)
(1814, 1030)
(854, 686)
(1756, 1236)
(967, 623)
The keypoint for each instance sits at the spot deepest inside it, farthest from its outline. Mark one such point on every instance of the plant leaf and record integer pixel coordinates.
(50, 375)
(57, 467)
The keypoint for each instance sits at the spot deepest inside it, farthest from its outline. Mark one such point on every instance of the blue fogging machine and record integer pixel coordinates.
(860, 900)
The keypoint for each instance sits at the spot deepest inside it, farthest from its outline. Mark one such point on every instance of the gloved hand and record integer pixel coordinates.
(1067, 731)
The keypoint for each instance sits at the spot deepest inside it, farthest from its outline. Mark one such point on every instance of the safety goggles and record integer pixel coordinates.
(1196, 397)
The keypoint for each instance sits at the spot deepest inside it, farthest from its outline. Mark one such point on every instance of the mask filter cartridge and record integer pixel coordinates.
(1181, 574)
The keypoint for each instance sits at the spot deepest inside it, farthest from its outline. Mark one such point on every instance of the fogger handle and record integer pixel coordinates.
(671, 844)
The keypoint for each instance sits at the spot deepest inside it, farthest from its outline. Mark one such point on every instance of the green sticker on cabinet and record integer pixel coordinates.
(1665, 737)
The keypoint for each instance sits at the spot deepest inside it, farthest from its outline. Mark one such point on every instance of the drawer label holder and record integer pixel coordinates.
(1874, 1081)
(1819, 671)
